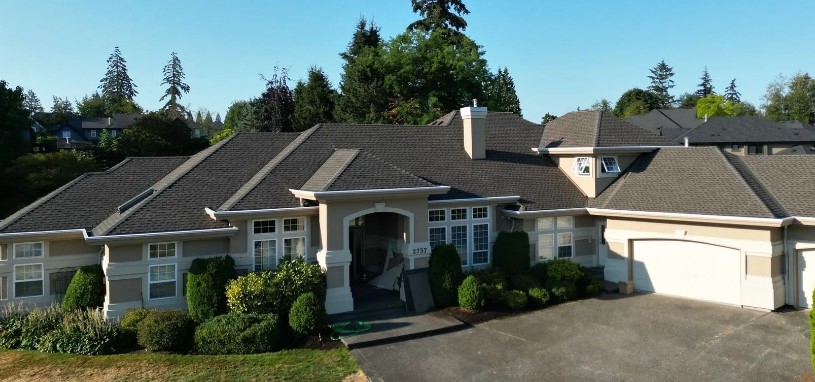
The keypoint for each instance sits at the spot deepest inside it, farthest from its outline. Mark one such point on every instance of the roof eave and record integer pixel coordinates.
(597, 150)
(359, 194)
(176, 235)
(53, 234)
(470, 201)
(265, 212)
(696, 218)
(545, 213)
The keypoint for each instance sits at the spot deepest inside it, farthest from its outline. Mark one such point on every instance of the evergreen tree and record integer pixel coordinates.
(117, 85)
(731, 94)
(93, 106)
(13, 122)
(688, 100)
(443, 15)
(706, 87)
(501, 94)
(61, 111)
(32, 102)
(277, 104)
(661, 83)
(313, 100)
(548, 118)
(218, 118)
(363, 94)
(174, 79)
(199, 119)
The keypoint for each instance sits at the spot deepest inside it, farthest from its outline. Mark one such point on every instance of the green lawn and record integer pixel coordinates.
(289, 365)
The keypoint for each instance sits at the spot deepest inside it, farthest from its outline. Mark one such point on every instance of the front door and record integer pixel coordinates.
(602, 246)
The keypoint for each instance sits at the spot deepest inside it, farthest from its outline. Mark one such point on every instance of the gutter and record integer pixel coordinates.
(319, 195)
(734, 220)
(805, 221)
(545, 213)
(214, 232)
(225, 215)
(54, 233)
(488, 200)
(598, 150)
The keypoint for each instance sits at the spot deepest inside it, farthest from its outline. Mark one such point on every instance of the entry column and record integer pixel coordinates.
(335, 259)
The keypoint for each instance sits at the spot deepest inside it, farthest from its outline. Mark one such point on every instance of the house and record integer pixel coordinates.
(115, 125)
(360, 200)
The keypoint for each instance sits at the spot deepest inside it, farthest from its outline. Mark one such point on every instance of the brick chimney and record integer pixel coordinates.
(475, 130)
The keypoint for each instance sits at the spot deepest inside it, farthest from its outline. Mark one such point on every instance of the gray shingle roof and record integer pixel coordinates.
(436, 154)
(596, 129)
(747, 130)
(89, 199)
(695, 180)
(358, 170)
(797, 150)
(669, 123)
(790, 179)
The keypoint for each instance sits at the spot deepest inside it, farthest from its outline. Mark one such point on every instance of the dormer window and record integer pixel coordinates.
(582, 166)
(610, 164)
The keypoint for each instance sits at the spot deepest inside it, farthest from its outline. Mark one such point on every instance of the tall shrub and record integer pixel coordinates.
(84, 332)
(511, 252)
(275, 291)
(206, 286)
(86, 289)
(445, 275)
(472, 294)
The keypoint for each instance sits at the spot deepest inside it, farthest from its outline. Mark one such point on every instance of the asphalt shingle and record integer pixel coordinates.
(596, 129)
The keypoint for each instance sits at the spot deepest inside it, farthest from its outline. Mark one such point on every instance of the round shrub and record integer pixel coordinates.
(307, 314)
(166, 330)
(275, 291)
(594, 288)
(445, 275)
(237, 333)
(539, 272)
(511, 252)
(206, 286)
(563, 270)
(86, 289)
(252, 293)
(523, 282)
(515, 300)
(84, 332)
(494, 285)
(583, 282)
(132, 317)
(472, 294)
(562, 290)
(538, 297)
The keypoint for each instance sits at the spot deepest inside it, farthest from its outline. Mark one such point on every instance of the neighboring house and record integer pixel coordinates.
(357, 199)
(798, 150)
(115, 125)
(669, 123)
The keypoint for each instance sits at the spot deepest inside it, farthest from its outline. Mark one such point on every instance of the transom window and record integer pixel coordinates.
(565, 222)
(545, 224)
(610, 164)
(265, 255)
(480, 212)
(565, 244)
(458, 214)
(437, 215)
(582, 166)
(162, 250)
(28, 280)
(293, 224)
(162, 281)
(27, 250)
(264, 226)
(294, 247)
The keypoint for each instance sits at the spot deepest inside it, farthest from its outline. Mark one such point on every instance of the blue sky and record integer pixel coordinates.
(562, 54)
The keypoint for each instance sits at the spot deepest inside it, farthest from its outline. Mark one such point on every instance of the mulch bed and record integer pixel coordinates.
(473, 317)
(317, 342)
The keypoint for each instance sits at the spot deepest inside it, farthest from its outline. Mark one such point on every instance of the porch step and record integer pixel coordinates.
(598, 273)
(368, 314)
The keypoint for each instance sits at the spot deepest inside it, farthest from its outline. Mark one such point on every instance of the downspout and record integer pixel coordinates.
(792, 261)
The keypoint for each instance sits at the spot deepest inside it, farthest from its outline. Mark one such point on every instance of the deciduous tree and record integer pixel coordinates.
(688, 100)
(241, 116)
(277, 104)
(157, 134)
(792, 99)
(661, 83)
(92, 106)
(636, 101)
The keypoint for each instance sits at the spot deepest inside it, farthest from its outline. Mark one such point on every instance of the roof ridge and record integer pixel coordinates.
(597, 128)
(669, 118)
(40, 201)
(116, 218)
(742, 178)
(267, 169)
(758, 188)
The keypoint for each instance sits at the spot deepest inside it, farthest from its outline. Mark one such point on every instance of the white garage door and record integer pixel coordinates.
(806, 277)
(688, 269)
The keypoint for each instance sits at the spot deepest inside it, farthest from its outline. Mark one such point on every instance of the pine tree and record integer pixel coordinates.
(501, 95)
(731, 94)
(548, 118)
(117, 85)
(661, 83)
(277, 104)
(365, 36)
(445, 15)
(199, 119)
(218, 118)
(174, 79)
(363, 94)
(706, 87)
(32, 102)
(313, 100)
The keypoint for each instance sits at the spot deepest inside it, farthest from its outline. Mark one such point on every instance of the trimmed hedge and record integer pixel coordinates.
(206, 286)
(563, 270)
(166, 330)
(275, 291)
(132, 317)
(307, 314)
(86, 290)
(538, 297)
(445, 275)
(523, 282)
(511, 252)
(237, 333)
(495, 285)
(84, 332)
(472, 294)
(562, 290)
(515, 299)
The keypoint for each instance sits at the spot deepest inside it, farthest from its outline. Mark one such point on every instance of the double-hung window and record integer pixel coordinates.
(565, 244)
(438, 236)
(555, 237)
(481, 244)
(28, 280)
(582, 166)
(162, 281)
(294, 245)
(458, 238)
(272, 240)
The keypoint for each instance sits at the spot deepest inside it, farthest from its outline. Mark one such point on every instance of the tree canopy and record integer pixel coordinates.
(32, 102)
(313, 100)
(363, 95)
(176, 87)
(276, 111)
(92, 106)
(117, 85)
(661, 84)
(444, 16)
(636, 101)
(791, 99)
(715, 105)
(501, 94)
(157, 134)
(13, 124)
(706, 86)
(731, 94)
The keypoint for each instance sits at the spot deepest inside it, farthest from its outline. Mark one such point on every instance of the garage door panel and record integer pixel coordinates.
(806, 275)
(688, 269)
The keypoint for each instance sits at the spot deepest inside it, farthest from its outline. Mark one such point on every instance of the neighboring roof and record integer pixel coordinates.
(747, 129)
(669, 123)
(117, 121)
(358, 170)
(693, 180)
(797, 150)
(596, 129)
(89, 199)
(433, 152)
(790, 180)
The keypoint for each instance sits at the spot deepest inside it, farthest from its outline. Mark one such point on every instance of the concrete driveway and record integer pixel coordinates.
(643, 337)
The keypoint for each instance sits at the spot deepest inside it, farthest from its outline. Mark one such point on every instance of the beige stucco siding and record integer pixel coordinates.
(124, 290)
(72, 247)
(333, 215)
(616, 251)
(692, 229)
(238, 242)
(586, 184)
(125, 253)
(208, 247)
(763, 266)
(421, 263)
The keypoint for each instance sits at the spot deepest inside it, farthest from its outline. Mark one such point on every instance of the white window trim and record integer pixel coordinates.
(4, 287)
(175, 251)
(472, 244)
(437, 221)
(41, 280)
(305, 249)
(42, 251)
(276, 254)
(578, 170)
(538, 227)
(449, 223)
(558, 244)
(446, 233)
(472, 213)
(279, 236)
(151, 282)
(301, 219)
(556, 229)
(251, 227)
(604, 169)
(552, 247)
(466, 211)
